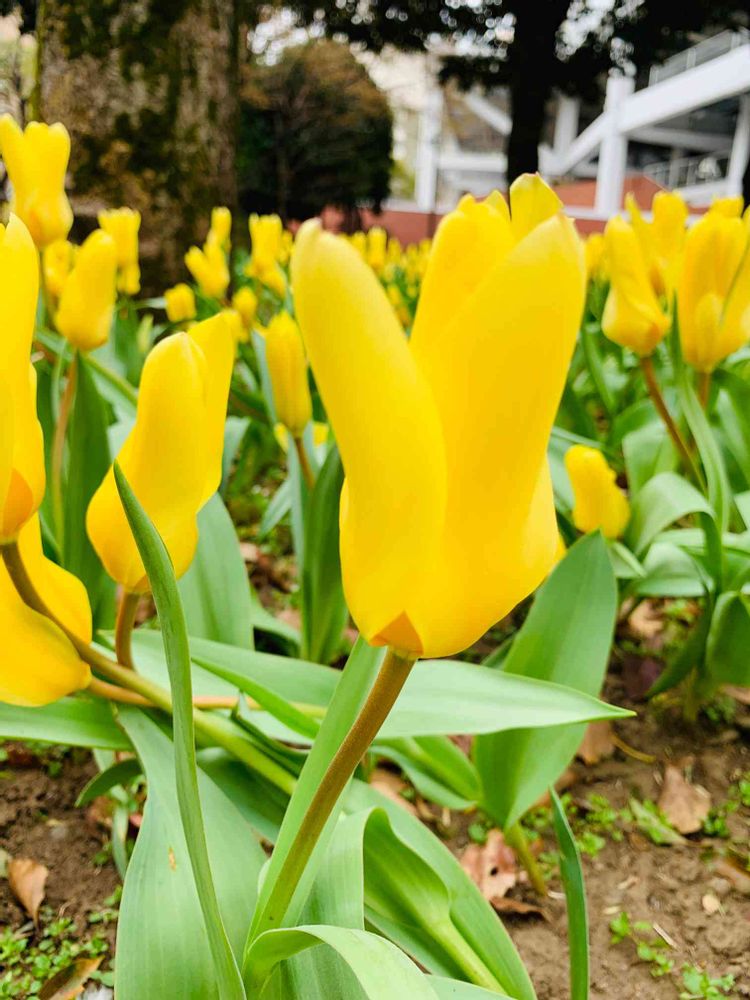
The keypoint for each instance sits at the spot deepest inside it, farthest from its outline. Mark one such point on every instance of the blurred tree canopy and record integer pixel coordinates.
(314, 131)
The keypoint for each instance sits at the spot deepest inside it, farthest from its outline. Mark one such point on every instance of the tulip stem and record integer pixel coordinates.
(515, 837)
(58, 449)
(388, 685)
(126, 613)
(704, 388)
(216, 730)
(647, 367)
(304, 463)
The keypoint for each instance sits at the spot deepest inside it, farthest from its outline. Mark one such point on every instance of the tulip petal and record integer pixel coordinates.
(39, 664)
(468, 243)
(165, 460)
(386, 424)
(532, 202)
(497, 374)
(215, 339)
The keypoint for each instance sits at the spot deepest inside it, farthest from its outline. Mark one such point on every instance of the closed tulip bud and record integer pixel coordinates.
(599, 503)
(39, 663)
(359, 241)
(87, 303)
(239, 331)
(633, 315)
(36, 160)
(123, 224)
(593, 250)
(377, 242)
(245, 301)
(267, 251)
(714, 292)
(172, 456)
(662, 240)
(57, 261)
(209, 268)
(221, 228)
(21, 443)
(287, 367)
(179, 303)
(447, 515)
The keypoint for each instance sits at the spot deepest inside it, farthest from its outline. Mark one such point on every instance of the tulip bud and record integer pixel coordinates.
(36, 160)
(593, 250)
(245, 301)
(21, 443)
(238, 329)
(221, 228)
(633, 316)
(123, 224)
(172, 456)
(662, 240)
(57, 261)
(377, 240)
(287, 366)
(179, 303)
(87, 303)
(209, 268)
(267, 247)
(714, 292)
(599, 503)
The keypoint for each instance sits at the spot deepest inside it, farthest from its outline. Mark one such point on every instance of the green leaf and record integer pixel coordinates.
(452, 989)
(324, 610)
(376, 963)
(167, 599)
(77, 721)
(575, 897)
(162, 943)
(670, 572)
(88, 464)
(727, 660)
(690, 655)
(276, 510)
(566, 638)
(647, 451)
(663, 500)
(436, 767)
(117, 774)
(649, 819)
(215, 591)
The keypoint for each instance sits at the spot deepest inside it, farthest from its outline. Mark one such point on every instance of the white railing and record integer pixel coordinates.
(703, 52)
(689, 171)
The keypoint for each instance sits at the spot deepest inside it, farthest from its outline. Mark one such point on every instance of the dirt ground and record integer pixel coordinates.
(704, 913)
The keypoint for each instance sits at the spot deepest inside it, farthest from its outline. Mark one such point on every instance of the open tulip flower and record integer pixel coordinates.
(662, 240)
(447, 515)
(714, 293)
(123, 224)
(267, 252)
(172, 457)
(36, 160)
(22, 477)
(599, 504)
(209, 268)
(87, 301)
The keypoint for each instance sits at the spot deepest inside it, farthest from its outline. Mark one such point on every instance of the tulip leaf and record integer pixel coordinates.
(215, 591)
(647, 451)
(728, 640)
(162, 943)
(116, 774)
(436, 767)
(88, 464)
(566, 638)
(161, 577)
(575, 897)
(663, 500)
(77, 721)
(732, 408)
(324, 610)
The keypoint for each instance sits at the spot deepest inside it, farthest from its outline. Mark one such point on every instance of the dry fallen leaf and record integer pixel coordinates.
(27, 879)
(492, 866)
(69, 983)
(597, 743)
(647, 622)
(518, 907)
(734, 873)
(685, 806)
(390, 785)
(740, 694)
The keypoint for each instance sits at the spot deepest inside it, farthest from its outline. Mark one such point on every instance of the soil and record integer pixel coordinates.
(664, 885)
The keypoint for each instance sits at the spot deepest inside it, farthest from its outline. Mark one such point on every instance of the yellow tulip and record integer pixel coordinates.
(21, 443)
(662, 240)
(359, 241)
(172, 456)
(287, 367)
(179, 302)
(245, 301)
(447, 516)
(57, 261)
(36, 160)
(267, 239)
(730, 208)
(221, 228)
(320, 435)
(209, 268)
(240, 333)
(123, 224)
(87, 302)
(377, 243)
(633, 315)
(714, 293)
(593, 250)
(599, 503)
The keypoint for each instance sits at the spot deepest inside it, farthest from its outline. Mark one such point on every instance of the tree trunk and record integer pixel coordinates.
(531, 69)
(148, 91)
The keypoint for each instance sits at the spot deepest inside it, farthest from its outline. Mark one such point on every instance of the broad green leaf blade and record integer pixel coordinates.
(575, 897)
(663, 500)
(174, 634)
(77, 721)
(117, 774)
(648, 451)
(162, 946)
(728, 642)
(452, 989)
(215, 591)
(566, 638)
(436, 767)
(324, 610)
(88, 463)
(377, 964)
